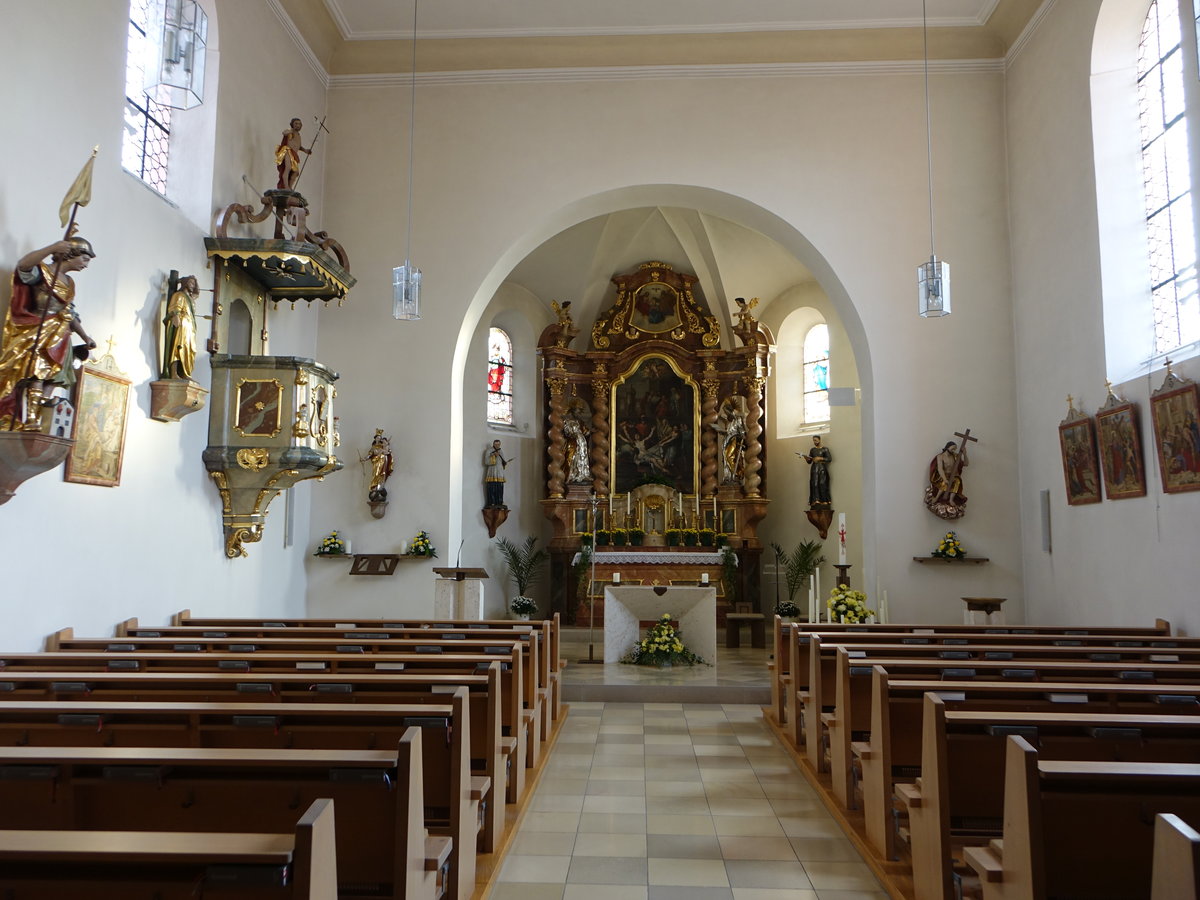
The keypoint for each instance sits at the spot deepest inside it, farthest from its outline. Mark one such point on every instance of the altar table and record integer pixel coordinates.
(695, 608)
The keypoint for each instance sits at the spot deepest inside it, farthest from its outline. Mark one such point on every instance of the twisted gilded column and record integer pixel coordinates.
(751, 479)
(708, 439)
(554, 484)
(601, 445)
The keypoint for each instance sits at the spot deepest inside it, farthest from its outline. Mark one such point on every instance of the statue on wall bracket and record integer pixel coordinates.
(175, 394)
(944, 495)
(382, 465)
(37, 350)
(820, 497)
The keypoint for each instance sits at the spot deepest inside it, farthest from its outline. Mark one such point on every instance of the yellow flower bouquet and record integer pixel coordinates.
(662, 646)
(846, 605)
(949, 547)
(332, 545)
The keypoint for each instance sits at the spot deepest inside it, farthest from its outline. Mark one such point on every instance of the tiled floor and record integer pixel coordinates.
(670, 801)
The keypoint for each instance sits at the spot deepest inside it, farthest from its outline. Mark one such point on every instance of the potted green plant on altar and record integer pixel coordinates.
(722, 539)
(691, 537)
(846, 605)
(619, 537)
(708, 537)
(797, 567)
(674, 537)
(662, 646)
(526, 565)
(603, 536)
(637, 536)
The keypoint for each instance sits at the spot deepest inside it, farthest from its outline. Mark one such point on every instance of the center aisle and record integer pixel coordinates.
(671, 801)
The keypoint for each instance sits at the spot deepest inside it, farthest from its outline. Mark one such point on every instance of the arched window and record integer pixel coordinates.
(816, 375)
(146, 145)
(499, 378)
(1166, 166)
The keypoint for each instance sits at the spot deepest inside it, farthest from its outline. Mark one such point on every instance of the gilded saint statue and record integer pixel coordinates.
(731, 426)
(179, 330)
(35, 350)
(287, 156)
(380, 458)
(576, 430)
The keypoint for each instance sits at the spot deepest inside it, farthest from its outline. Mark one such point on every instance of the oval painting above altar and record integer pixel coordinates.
(655, 308)
(654, 427)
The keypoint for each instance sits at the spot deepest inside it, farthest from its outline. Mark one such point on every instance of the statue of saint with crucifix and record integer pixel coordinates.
(944, 495)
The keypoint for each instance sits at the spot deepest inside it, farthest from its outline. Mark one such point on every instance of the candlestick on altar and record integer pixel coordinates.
(812, 598)
(704, 578)
(610, 506)
(697, 506)
(626, 504)
(820, 599)
(841, 539)
(616, 577)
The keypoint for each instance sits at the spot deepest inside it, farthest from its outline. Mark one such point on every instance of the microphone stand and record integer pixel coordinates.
(591, 597)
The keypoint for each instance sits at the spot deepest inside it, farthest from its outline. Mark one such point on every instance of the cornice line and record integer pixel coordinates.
(635, 73)
(1027, 33)
(298, 39)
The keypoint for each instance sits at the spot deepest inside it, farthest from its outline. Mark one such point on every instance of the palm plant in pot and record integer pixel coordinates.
(526, 565)
(796, 566)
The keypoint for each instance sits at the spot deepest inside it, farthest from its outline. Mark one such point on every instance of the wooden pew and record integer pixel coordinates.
(818, 690)
(382, 848)
(483, 705)
(119, 865)
(554, 661)
(892, 754)
(790, 638)
(445, 731)
(1176, 874)
(853, 693)
(959, 797)
(533, 692)
(1080, 828)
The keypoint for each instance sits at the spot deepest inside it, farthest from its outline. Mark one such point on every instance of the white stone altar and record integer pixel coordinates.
(695, 608)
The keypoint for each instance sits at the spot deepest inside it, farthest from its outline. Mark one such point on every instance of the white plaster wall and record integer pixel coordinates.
(84, 556)
(831, 168)
(1118, 562)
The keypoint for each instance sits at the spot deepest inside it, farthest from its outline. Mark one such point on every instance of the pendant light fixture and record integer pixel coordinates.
(933, 277)
(178, 39)
(406, 279)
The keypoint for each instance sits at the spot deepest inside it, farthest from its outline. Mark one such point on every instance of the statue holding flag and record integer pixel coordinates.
(36, 344)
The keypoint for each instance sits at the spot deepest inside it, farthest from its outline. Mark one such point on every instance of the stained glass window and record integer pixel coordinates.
(145, 147)
(499, 378)
(816, 375)
(1166, 171)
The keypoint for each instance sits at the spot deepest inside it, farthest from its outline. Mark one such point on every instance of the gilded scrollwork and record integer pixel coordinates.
(252, 458)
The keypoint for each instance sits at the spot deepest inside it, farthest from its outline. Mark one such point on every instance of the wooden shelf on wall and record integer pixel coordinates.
(951, 562)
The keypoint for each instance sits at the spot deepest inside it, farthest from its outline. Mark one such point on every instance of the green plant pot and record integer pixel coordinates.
(689, 540)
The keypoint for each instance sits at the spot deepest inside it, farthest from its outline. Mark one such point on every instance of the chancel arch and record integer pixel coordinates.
(743, 249)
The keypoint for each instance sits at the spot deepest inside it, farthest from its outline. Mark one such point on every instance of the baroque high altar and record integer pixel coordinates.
(654, 426)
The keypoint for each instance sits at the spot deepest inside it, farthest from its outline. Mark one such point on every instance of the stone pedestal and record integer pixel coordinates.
(453, 599)
(693, 607)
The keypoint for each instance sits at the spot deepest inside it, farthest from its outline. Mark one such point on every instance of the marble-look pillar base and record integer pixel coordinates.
(454, 599)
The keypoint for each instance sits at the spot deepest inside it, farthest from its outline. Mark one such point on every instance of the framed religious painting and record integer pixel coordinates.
(1120, 443)
(1081, 472)
(102, 405)
(1175, 412)
(654, 427)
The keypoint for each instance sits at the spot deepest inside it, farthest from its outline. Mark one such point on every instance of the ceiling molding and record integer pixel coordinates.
(299, 40)
(637, 73)
(1027, 32)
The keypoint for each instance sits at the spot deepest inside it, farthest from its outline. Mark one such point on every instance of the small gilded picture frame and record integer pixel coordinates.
(102, 401)
(1081, 471)
(1175, 412)
(1119, 440)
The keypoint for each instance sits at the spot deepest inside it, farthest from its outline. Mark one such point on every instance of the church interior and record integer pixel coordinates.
(684, 303)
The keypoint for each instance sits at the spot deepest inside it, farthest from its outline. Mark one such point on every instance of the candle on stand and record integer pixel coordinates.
(626, 504)
(841, 539)
(610, 506)
(883, 610)
(616, 577)
(812, 598)
(704, 578)
(716, 522)
(820, 600)
(697, 508)
(679, 505)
